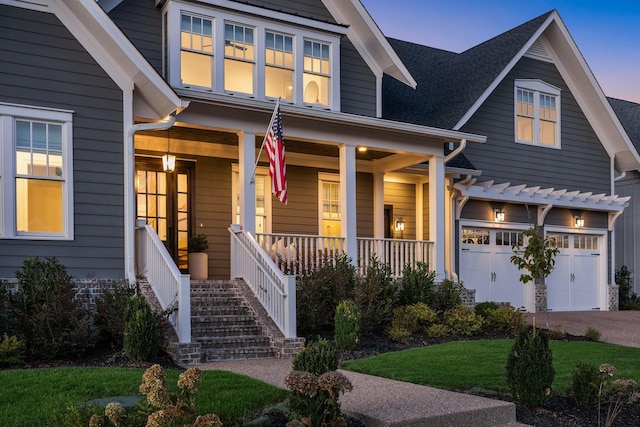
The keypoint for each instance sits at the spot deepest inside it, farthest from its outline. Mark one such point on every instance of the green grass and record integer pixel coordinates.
(462, 365)
(31, 397)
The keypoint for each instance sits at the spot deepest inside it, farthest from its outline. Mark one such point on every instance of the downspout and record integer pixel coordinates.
(452, 274)
(130, 191)
(621, 176)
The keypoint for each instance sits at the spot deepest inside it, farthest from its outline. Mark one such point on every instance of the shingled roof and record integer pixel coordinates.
(629, 114)
(450, 83)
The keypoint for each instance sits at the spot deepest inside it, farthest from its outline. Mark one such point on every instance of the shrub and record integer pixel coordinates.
(506, 317)
(198, 243)
(627, 299)
(529, 368)
(557, 333)
(111, 308)
(437, 330)
(417, 285)
(485, 308)
(375, 294)
(410, 319)
(317, 357)
(585, 383)
(462, 320)
(47, 316)
(12, 351)
(143, 331)
(321, 290)
(399, 334)
(592, 334)
(448, 295)
(347, 332)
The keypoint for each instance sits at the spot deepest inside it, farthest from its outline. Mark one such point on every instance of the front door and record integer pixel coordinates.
(164, 201)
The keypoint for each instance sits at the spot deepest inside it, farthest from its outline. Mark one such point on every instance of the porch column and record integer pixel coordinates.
(378, 205)
(437, 218)
(420, 208)
(247, 160)
(348, 200)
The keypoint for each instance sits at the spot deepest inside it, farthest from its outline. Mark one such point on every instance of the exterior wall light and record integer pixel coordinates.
(168, 160)
(579, 222)
(498, 215)
(399, 224)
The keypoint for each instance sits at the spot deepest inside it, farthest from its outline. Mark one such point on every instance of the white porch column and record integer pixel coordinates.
(247, 160)
(348, 200)
(420, 208)
(437, 218)
(378, 205)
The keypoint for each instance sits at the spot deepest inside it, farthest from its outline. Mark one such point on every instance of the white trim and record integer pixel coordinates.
(322, 178)
(538, 87)
(262, 171)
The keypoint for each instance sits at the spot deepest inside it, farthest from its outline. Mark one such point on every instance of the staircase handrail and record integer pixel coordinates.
(171, 287)
(275, 290)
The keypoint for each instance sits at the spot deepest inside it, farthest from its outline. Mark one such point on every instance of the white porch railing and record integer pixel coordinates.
(394, 253)
(275, 290)
(297, 253)
(167, 282)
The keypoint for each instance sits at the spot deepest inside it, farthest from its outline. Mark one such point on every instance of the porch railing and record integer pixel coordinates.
(168, 283)
(275, 290)
(394, 253)
(298, 253)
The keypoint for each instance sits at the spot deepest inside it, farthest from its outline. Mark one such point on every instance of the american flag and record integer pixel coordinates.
(274, 146)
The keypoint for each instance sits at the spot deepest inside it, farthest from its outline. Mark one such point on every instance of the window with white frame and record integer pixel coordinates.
(316, 77)
(35, 173)
(239, 58)
(252, 55)
(196, 51)
(263, 198)
(537, 113)
(278, 73)
(329, 195)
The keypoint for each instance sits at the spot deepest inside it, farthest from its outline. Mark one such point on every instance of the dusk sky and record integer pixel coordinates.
(606, 32)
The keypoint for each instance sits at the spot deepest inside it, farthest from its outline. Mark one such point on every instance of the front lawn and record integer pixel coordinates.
(462, 365)
(33, 397)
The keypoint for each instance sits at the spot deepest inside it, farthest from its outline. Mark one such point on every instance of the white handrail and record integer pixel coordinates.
(275, 290)
(166, 280)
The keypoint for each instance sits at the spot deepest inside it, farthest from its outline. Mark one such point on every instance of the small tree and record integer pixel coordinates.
(537, 259)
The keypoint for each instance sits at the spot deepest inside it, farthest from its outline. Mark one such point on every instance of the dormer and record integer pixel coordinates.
(232, 48)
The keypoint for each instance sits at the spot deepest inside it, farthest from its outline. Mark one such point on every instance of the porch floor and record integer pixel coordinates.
(381, 402)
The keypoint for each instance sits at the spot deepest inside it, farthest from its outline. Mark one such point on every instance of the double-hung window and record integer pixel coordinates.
(239, 59)
(278, 66)
(196, 51)
(35, 173)
(329, 189)
(537, 115)
(316, 77)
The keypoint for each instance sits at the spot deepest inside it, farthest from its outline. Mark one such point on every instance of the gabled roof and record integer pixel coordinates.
(629, 114)
(451, 87)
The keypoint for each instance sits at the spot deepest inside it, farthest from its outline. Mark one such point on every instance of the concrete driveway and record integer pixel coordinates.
(616, 327)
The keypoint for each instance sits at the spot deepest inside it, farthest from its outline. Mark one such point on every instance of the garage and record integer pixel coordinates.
(573, 284)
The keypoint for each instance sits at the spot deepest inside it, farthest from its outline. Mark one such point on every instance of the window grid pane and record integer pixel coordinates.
(38, 149)
(238, 42)
(472, 236)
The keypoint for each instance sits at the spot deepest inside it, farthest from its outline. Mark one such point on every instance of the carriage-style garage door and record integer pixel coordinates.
(486, 267)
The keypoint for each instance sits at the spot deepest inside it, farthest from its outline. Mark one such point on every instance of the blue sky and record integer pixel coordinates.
(606, 32)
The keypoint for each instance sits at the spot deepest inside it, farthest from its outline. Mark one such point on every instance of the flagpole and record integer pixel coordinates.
(273, 116)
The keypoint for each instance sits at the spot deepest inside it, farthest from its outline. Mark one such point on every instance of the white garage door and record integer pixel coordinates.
(573, 284)
(485, 265)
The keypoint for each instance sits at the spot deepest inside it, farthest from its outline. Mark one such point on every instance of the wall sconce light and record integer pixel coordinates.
(498, 215)
(399, 224)
(168, 160)
(579, 221)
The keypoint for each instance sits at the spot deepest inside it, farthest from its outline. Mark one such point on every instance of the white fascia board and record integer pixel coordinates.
(271, 14)
(504, 73)
(116, 54)
(368, 40)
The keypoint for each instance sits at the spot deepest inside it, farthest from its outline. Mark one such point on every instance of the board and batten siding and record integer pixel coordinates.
(141, 22)
(42, 64)
(582, 162)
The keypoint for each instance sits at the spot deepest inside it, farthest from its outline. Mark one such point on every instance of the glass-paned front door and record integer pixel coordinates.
(164, 201)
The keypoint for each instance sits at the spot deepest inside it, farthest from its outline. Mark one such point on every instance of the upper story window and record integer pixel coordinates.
(239, 59)
(196, 51)
(279, 68)
(316, 72)
(258, 55)
(537, 113)
(35, 178)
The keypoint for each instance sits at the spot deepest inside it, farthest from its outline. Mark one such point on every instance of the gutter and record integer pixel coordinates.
(454, 153)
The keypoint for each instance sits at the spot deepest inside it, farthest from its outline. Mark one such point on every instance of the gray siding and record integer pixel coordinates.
(503, 160)
(364, 204)
(627, 231)
(357, 82)
(482, 210)
(41, 64)
(141, 22)
(403, 199)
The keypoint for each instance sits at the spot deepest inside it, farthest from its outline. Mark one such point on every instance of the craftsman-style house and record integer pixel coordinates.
(395, 149)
